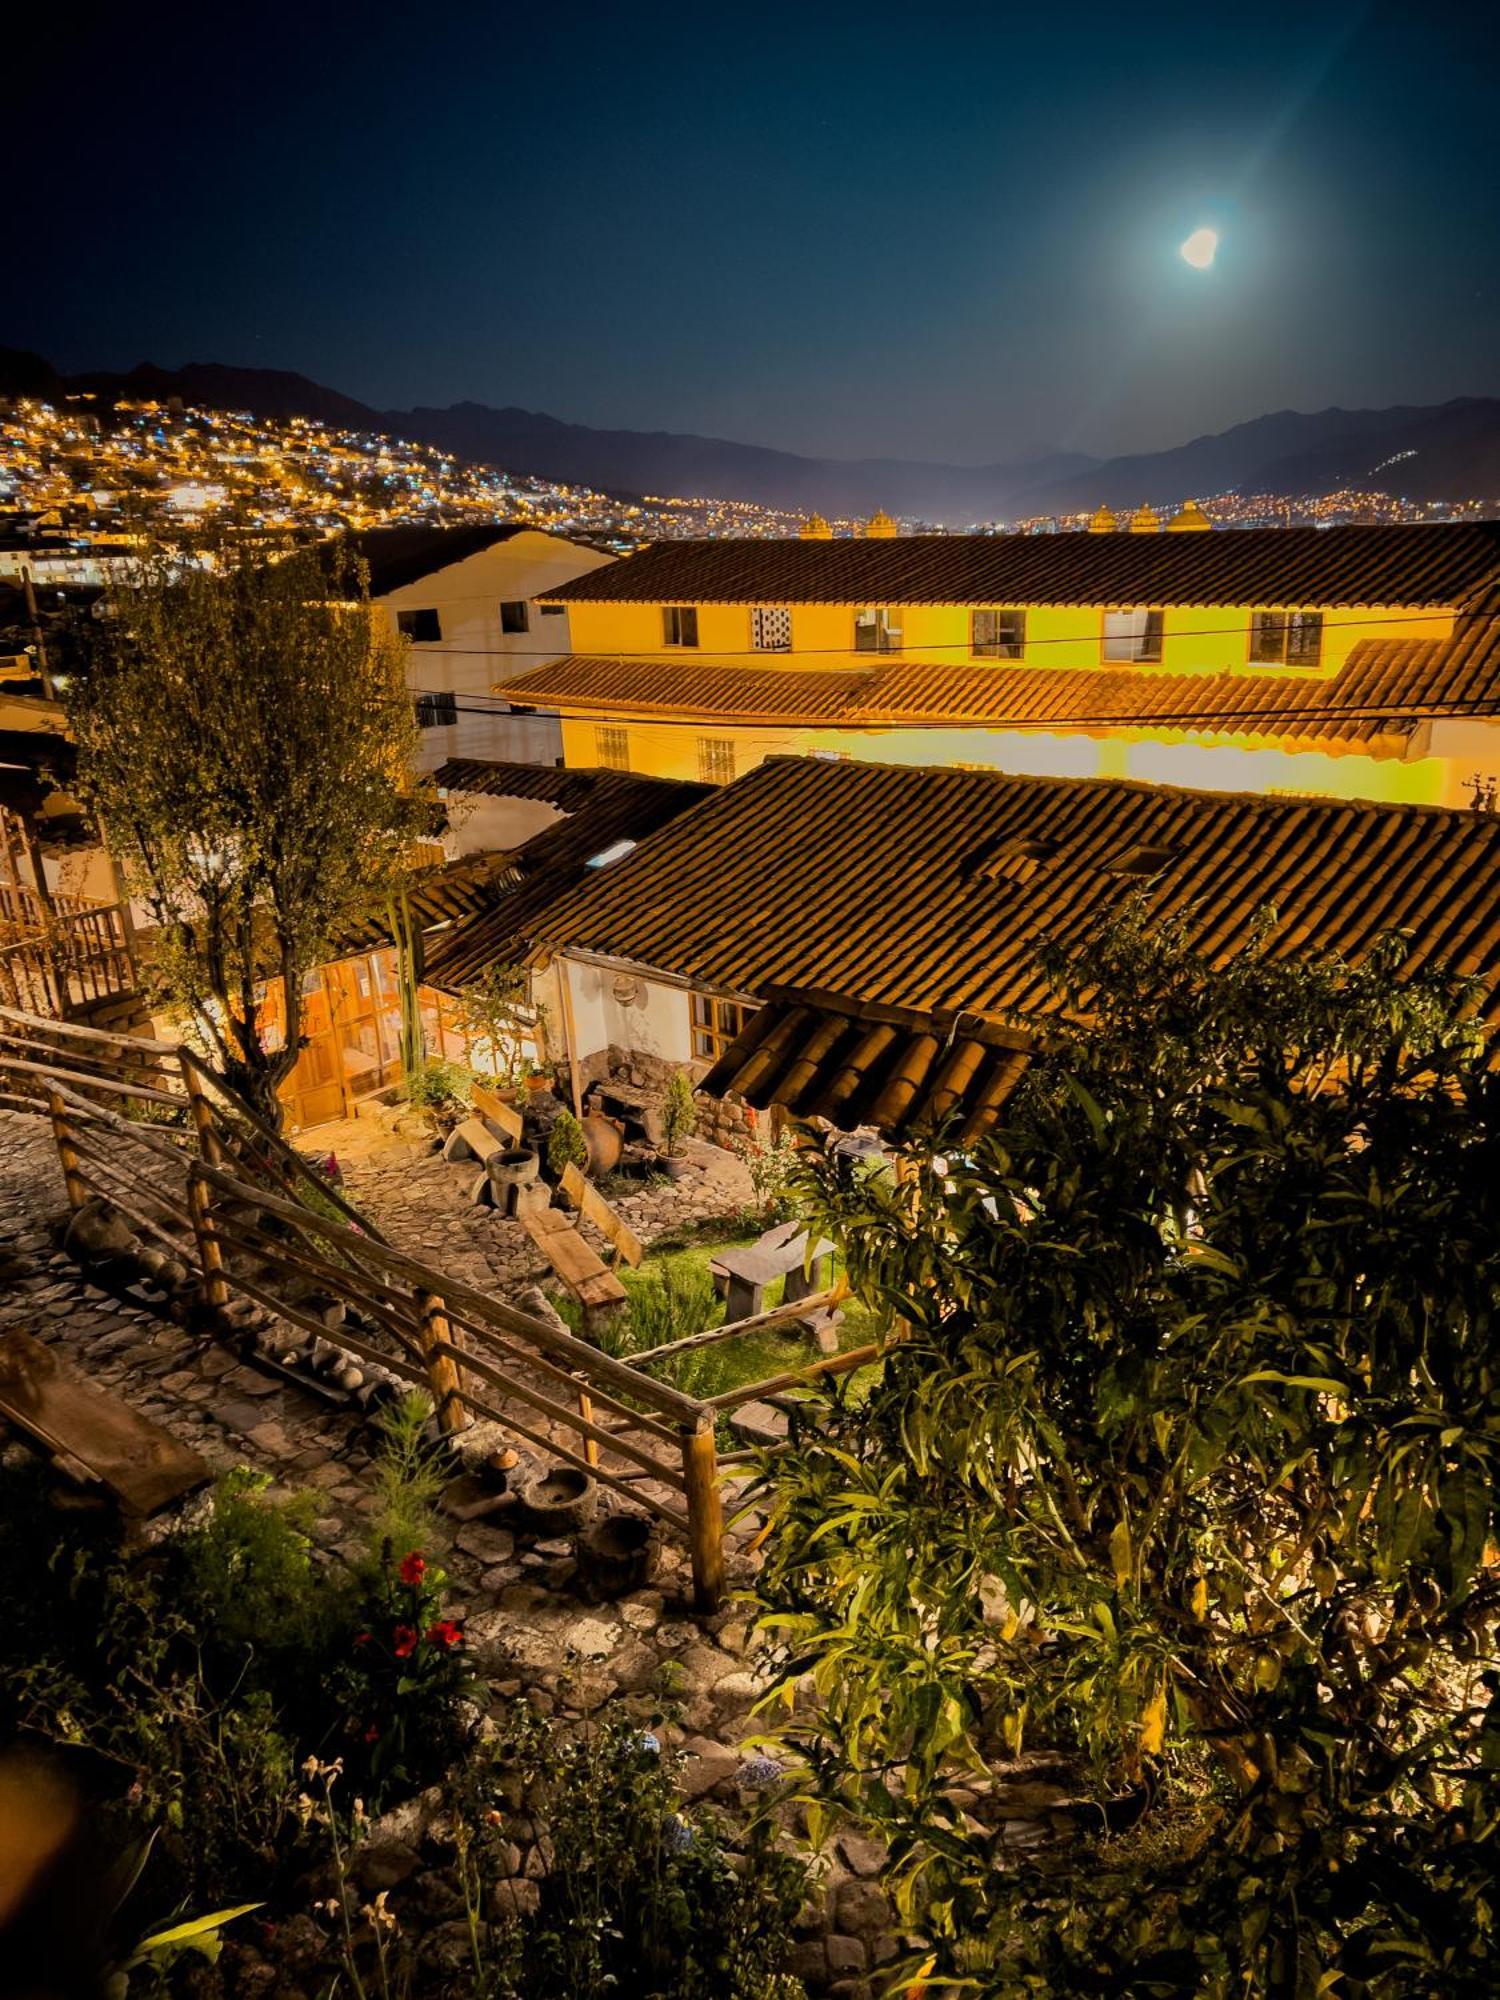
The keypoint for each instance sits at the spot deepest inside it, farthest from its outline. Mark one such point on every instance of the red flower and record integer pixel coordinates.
(406, 1641)
(361, 1638)
(444, 1633)
(413, 1567)
(372, 1734)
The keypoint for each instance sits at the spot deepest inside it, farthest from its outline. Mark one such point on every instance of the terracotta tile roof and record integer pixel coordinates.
(567, 790)
(1384, 689)
(869, 888)
(706, 687)
(825, 1063)
(618, 806)
(399, 557)
(1428, 563)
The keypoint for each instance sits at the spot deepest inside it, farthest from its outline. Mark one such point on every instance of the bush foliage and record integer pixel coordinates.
(1184, 1476)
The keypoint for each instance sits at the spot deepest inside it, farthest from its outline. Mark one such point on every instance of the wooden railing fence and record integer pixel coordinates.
(203, 1180)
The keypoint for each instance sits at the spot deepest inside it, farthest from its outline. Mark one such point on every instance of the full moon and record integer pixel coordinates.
(1200, 248)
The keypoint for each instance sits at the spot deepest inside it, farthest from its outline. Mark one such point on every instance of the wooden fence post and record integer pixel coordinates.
(67, 1153)
(201, 1110)
(700, 1465)
(210, 1248)
(586, 1411)
(434, 1330)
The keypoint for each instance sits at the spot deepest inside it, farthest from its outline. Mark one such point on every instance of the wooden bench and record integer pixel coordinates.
(781, 1253)
(592, 1206)
(581, 1269)
(93, 1437)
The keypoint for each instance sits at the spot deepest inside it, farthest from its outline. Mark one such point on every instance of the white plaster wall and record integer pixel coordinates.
(661, 1026)
(483, 825)
(474, 655)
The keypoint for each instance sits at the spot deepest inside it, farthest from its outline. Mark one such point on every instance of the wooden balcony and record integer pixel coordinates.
(65, 961)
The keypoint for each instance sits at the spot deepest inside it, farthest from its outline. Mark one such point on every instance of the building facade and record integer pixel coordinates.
(471, 602)
(1359, 662)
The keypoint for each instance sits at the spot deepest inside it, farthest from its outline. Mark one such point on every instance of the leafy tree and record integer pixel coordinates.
(1182, 1478)
(245, 736)
(495, 1012)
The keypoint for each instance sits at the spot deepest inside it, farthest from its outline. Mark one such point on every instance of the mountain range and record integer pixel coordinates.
(1444, 451)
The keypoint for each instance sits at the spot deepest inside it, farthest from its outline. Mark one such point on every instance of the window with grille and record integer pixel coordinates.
(612, 747)
(771, 628)
(1286, 638)
(423, 628)
(679, 624)
(715, 1024)
(997, 635)
(436, 710)
(1132, 635)
(875, 631)
(515, 615)
(715, 760)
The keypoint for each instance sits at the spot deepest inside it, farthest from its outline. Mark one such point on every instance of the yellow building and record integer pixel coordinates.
(1359, 662)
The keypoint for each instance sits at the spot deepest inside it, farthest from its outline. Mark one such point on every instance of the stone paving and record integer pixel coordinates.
(531, 1632)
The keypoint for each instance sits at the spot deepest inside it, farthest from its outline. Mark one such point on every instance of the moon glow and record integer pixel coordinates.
(1200, 249)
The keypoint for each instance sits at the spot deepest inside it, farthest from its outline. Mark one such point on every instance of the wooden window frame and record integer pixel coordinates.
(413, 624)
(1289, 626)
(713, 752)
(714, 1022)
(1154, 646)
(620, 744)
(995, 647)
(876, 620)
(679, 625)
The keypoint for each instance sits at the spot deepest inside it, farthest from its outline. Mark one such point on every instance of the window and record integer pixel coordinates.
(552, 610)
(1132, 635)
(515, 615)
(715, 760)
(874, 632)
(715, 1024)
(679, 624)
(1286, 638)
(612, 747)
(997, 635)
(436, 710)
(771, 628)
(422, 627)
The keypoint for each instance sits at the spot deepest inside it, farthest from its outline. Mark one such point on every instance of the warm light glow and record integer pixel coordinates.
(1201, 248)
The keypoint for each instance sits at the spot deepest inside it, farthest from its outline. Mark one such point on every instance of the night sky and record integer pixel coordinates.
(939, 231)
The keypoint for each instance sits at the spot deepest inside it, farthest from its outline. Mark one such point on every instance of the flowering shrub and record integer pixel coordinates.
(406, 1677)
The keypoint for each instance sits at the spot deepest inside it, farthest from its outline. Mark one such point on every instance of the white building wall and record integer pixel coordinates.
(478, 824)
(474, 656)
(657, 1023)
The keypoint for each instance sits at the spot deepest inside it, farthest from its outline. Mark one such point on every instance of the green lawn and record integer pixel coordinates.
(672, 1295)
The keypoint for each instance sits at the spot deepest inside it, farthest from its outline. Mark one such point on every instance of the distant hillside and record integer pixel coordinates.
(1449, 451)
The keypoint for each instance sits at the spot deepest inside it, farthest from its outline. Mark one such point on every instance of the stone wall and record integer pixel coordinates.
(722, 1121)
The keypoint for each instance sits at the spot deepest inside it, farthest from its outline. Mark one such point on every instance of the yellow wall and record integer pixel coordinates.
(1197, 638)
(1435, 774)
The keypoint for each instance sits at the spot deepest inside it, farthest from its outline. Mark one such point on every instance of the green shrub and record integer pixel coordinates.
(640, 1897)
(679, 1112)
(438, 1087)
(566, 1146)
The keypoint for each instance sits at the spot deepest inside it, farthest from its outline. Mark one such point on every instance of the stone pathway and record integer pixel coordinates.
(530, 1631)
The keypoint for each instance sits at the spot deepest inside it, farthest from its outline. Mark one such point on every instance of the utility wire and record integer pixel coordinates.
(1223, 724)
(671, 654)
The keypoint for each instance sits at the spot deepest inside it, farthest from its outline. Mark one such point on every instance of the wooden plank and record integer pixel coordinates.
(144, 1465)
(493, 1107)
(592, 1206)
(584, 1273)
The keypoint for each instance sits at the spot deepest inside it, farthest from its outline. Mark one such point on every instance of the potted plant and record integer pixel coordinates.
(679, 1119)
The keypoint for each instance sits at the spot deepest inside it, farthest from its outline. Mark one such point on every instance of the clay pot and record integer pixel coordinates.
(618, 1554)
(605, 1140)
